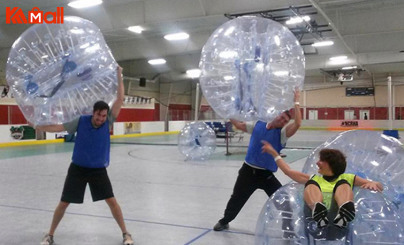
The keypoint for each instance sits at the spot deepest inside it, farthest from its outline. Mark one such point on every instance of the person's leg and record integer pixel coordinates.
(101, 189)
(116, 213)
(268, 182)
(343, 195)
(244, 187)
(57, 216)
(313, 197)
(73, 192)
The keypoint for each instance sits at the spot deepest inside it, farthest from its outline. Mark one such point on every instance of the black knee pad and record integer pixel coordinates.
(312, 182)
(340, 182)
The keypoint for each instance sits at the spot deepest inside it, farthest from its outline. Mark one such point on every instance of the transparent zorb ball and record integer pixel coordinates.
(58, 71)
(282, 221)
(197, 141)
(250, 69)
(379, 215)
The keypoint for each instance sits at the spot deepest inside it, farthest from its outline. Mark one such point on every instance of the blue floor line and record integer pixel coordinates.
(196, 238)
(131, 220)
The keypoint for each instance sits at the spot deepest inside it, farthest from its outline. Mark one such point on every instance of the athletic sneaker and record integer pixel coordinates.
(319, 215)
(345, 215)
(47, 240)
(127, 239)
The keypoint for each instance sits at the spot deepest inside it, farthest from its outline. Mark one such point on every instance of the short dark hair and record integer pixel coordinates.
(100, 106)
(335, 158)
(287, 112)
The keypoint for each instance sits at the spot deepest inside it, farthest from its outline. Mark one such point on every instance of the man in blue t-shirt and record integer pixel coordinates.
(257, 170)
(89, 161)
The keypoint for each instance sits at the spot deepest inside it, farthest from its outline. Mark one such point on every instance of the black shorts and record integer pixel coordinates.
(76, 182)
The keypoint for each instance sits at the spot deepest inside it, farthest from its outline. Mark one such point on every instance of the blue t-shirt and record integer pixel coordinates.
(254, 156)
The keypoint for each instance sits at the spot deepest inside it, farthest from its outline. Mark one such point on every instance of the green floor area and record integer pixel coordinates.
(152, 140)
(34, 150)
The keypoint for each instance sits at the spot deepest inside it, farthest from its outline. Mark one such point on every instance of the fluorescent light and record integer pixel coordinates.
(177, 36)
(194, 73)
(135, 29)
(281, 73)
(228, 54)
(80, 4)
(157, 62)
(322, 43)
(348, 67)
(338, 58)
(297, 20)
(227, 78)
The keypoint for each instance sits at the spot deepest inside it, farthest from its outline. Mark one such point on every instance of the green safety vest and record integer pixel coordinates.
(327, 188)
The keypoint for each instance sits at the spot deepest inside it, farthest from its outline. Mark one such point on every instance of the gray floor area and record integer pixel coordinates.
(164, 199)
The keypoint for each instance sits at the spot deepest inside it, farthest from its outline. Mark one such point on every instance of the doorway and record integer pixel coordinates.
(313, 115)
(364, 114)
(349, 115)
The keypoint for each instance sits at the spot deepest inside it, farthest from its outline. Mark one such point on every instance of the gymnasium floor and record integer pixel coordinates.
(164, 199)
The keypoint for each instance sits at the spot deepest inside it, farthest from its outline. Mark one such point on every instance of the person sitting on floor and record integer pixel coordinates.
(331, 186)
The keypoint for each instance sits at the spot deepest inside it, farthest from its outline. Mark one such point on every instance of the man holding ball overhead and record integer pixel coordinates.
(257, 169)
(89, 161)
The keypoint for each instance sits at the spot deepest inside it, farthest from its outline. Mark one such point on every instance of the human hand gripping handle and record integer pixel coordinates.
(373, 185)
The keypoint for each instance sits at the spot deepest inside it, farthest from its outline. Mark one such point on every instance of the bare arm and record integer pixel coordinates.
(293, 127)
(367, 184)
(297, 176)
(116, 107)
(239, 125)
(49, 128)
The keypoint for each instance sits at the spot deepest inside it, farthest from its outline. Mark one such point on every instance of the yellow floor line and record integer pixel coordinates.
(31, 142)
(144, 134)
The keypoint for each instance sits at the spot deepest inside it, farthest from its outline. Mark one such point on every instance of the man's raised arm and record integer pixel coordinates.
(293, 127)
(116, 107)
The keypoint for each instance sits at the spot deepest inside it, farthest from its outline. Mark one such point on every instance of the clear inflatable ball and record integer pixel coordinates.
(58, 71)
(250, 69)
(378, 220)
(282, 221)
(370, 155)
(197, 141)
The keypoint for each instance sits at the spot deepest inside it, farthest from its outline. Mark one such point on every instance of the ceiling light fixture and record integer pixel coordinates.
(157, 61)
(338, 58)
(194, 73)
(297, 20)
(349, 67)
(176, 36)
(135, 29)
(80, 4)
(322, 43)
